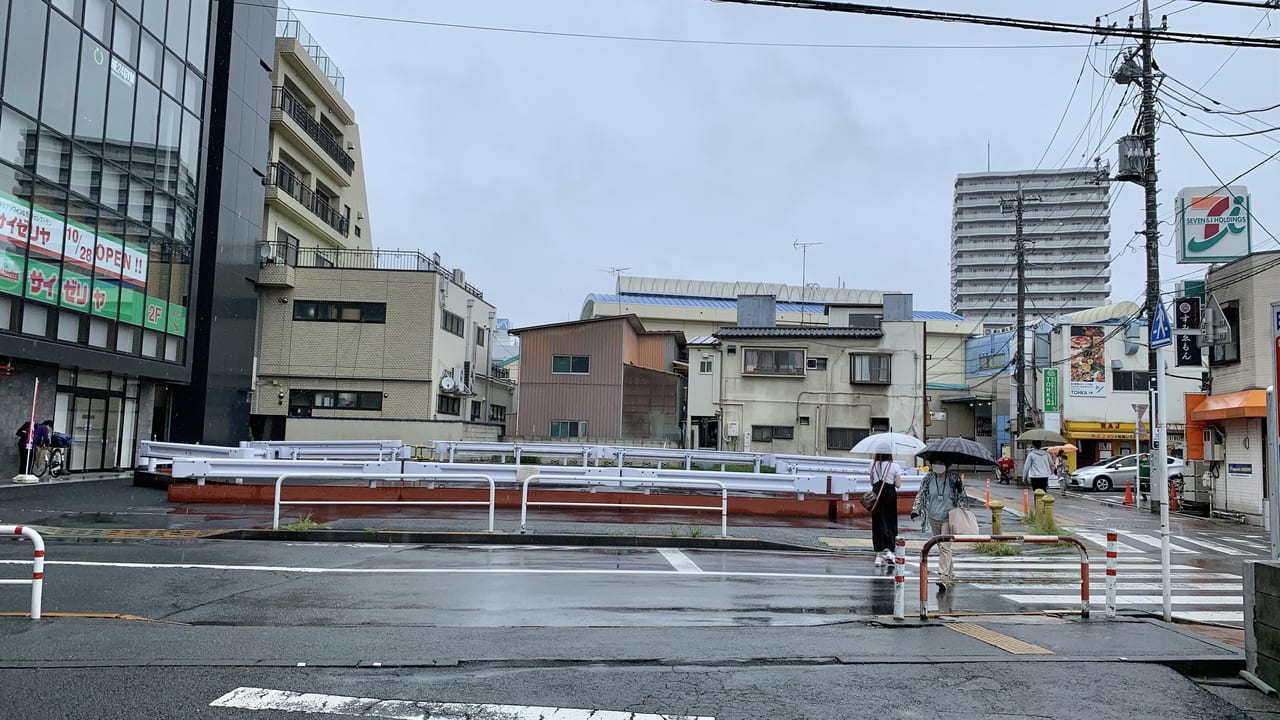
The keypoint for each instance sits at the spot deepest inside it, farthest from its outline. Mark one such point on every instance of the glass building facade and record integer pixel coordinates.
(103, 142)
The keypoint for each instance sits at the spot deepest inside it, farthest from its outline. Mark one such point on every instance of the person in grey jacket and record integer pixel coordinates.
(1037, 467)
(941, 491)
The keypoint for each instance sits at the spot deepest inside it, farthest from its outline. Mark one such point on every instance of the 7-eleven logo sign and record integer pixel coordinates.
(1214, 224)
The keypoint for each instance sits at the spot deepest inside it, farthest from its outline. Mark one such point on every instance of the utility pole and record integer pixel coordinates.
(804, 267)
(1015, 206)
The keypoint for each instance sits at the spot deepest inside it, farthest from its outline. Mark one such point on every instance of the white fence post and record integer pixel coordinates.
(1112, 539)
(37, 565)
(900, 578)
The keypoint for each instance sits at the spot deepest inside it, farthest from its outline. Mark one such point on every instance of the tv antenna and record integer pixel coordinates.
(804, 268)
(616, 272)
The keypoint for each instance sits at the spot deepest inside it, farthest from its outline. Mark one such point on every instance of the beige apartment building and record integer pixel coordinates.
(355, 342)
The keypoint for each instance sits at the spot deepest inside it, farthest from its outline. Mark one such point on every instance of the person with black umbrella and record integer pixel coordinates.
(941, 491)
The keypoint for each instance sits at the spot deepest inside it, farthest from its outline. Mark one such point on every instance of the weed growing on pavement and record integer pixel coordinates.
(303, 523)
(695, 531)
(998, 548)
(675, 532)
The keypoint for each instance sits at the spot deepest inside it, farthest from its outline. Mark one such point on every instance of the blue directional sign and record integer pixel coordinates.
(1161, 332)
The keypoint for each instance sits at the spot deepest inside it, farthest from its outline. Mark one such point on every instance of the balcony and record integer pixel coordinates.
(287, 253)
(284, 101)
(281, 177)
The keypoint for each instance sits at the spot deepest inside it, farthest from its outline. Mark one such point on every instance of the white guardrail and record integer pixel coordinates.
(332, 449)
(275, 513)
(450, 450)
(235, 468)
(596, 481)
(37, 565)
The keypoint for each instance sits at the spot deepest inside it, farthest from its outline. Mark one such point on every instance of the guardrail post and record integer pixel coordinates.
(924, 575)
(1039, 502)
(997, 520)
(900, 578)
(1047, 508)
(37, 565)
(1112, 539)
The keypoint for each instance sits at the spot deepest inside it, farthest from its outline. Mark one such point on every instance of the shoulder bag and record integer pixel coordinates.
(871, 498)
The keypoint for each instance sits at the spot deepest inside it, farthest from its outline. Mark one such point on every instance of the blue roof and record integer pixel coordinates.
(727, 304)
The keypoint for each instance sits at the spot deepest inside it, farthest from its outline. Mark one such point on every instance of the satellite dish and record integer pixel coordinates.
(264, 250)
(447, 384)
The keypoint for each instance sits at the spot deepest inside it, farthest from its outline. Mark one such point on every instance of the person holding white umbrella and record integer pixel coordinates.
(886, 478)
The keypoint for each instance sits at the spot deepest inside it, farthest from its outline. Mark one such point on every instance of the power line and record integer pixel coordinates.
(668, 40)
(1020, 23)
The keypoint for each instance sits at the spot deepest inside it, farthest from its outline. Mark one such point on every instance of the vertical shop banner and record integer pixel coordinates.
(1051, 390)
(1088, 361)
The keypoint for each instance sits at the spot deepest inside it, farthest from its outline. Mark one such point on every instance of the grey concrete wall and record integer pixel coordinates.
(1262, 620)
(15, 407)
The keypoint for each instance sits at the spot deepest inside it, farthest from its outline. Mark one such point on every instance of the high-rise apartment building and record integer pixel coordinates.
(1067, 231)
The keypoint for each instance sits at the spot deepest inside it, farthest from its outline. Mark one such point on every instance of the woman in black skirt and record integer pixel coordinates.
(886, 478)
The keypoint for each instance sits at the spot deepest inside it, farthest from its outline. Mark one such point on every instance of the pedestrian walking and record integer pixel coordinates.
(1063, 470)
(1037, 467)
(24, 457)
(941, 491)
(886, 478)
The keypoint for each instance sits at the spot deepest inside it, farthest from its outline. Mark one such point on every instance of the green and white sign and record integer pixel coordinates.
(1051, 390)
(1215, 224)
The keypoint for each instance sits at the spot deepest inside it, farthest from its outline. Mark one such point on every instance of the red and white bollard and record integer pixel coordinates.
(1112, 539)
(900, 578)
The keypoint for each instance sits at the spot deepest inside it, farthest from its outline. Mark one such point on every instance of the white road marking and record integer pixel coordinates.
(1100, 539)
(1130, 599)
(1097, 584)
(1153, 541)
(679, 560)
(1209, 616)
(1247, 543)
(1223, 549)
(249, 698)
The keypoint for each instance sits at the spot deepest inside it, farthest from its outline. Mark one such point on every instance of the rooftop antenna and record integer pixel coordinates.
(804, 268)
(616, 272)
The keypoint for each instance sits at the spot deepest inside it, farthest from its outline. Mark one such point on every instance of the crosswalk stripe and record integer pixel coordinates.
(1248, 543)
(1100, 539)
(1155, 544)
(679, 560)
(1123, 587)
(1214, 546)
(1037, 599)
(1093, 566)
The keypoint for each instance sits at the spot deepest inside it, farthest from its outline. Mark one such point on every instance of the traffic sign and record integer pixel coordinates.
(1161, 332)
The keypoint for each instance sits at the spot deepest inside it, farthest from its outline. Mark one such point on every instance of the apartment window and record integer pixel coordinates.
(357, 229)
(763, 361)
(301, 402)
(803, 420)
(497, 413)
(1131, 380)
(769, 433)
(1230, 353)
(447, 405)
(335, 311)
(706, 366)
(453, 324)
(571, 364)
(476, 408)
(994, 361)
(844, 438)
(816, 363)
(479, 335)
(568, 428)
(871, 368)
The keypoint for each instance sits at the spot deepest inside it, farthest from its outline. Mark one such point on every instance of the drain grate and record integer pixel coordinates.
(1011, 645)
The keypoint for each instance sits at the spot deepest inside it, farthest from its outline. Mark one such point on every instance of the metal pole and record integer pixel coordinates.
(1111, 574)
(1273, 461)
(1019, 325)
(1160, 473)
(900, 578)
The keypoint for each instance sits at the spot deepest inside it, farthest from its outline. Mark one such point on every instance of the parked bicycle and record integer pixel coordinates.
(51, 459)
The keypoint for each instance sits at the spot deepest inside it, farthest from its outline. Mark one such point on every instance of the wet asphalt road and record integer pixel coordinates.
(729, 634)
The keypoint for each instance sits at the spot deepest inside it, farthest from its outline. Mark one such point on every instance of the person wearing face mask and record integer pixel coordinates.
(941, 491)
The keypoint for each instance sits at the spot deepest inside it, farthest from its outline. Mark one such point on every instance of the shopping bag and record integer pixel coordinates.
(962, 522)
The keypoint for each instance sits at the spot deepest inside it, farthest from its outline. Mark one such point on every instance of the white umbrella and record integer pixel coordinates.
(888, 443)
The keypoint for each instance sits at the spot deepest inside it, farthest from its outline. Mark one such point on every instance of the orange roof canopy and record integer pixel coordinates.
(1243, 404)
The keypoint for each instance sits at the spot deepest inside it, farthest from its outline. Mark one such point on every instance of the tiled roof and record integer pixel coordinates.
(799, 332)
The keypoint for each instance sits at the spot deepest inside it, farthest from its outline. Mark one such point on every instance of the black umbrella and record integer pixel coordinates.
(955, 450)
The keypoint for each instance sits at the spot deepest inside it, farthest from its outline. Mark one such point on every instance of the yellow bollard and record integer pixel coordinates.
(1039, 502)
(1048, 511)
(997, 524)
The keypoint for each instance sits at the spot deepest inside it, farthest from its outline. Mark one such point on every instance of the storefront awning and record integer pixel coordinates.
(1078, 430)
(1243, 404)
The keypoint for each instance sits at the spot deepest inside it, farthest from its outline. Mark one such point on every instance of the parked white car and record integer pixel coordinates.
(1113, 473)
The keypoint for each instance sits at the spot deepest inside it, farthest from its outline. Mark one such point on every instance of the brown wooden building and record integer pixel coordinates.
(603, 380)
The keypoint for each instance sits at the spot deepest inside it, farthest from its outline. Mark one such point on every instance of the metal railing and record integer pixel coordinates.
(282, 177)
(37, 565)
(435, 477)
(283, 100)
(289, 253)
(594, 482)
(1043, 539)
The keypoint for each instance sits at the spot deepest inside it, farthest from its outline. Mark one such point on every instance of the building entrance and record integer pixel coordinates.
(100, 413)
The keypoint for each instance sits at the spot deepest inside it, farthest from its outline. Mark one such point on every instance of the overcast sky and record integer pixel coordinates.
(537, 162)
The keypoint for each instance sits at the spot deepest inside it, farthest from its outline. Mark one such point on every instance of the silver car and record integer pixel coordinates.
(1113, 473)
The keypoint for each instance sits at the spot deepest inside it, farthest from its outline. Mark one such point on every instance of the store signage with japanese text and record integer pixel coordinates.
(1088, 361)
